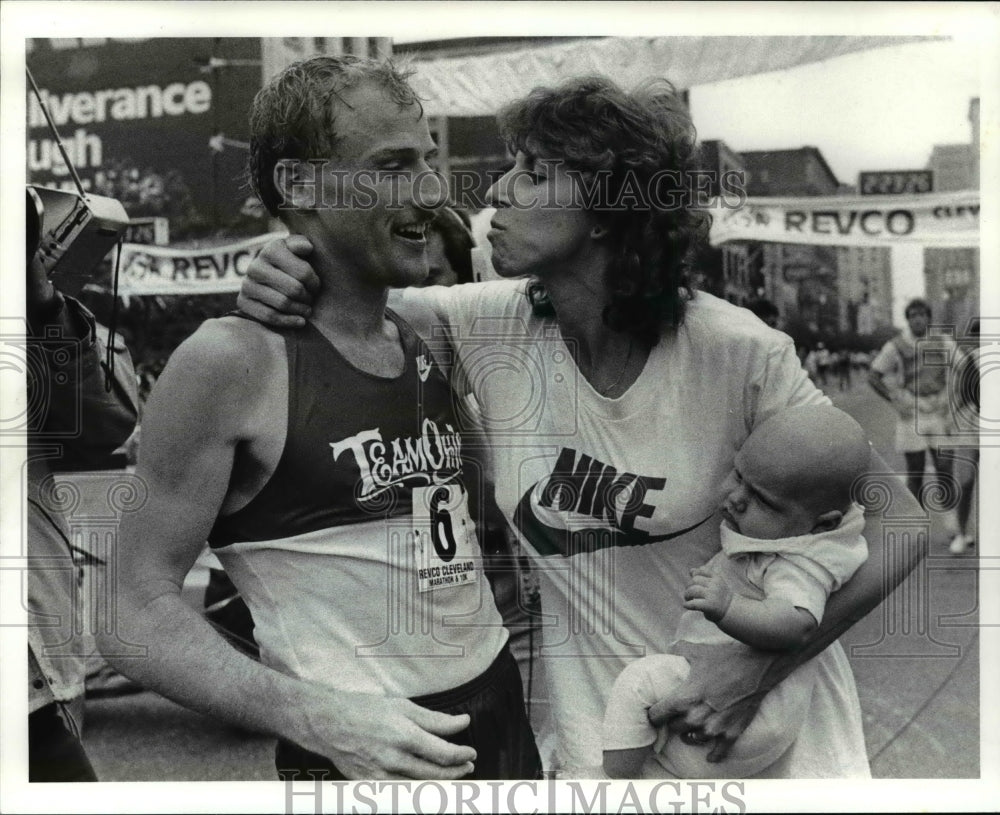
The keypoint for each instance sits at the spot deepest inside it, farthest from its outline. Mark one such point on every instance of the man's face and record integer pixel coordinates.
(540, 226)
(378, 193)
(918, 318)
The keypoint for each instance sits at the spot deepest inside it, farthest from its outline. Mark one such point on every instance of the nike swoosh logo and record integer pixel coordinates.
(423, 368)
(551, 541)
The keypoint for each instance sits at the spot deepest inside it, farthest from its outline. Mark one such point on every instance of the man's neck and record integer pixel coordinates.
(349, 311)
(355, 323)
(347, 305)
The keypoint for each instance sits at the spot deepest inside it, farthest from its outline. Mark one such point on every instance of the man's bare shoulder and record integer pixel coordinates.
(220, 406)
(229, 345)
(227, 365)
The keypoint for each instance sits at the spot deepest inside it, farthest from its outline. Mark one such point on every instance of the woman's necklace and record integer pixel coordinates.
(621, 374)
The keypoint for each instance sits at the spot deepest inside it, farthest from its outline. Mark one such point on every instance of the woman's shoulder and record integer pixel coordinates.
(712, 316)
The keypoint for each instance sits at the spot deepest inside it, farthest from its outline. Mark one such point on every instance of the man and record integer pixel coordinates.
(75, 424)
(324, 468)
(911, 373)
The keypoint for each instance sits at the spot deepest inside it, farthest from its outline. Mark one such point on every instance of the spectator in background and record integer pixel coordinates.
(860, 360)
(842, 365)
(915, 383)
(823, 360)
(449, 247)
(76, 424)
(809, 362)
(965, 431)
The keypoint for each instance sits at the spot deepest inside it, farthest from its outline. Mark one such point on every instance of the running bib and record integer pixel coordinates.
(444, 543)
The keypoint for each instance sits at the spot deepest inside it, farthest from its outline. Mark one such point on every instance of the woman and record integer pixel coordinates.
(614, 400)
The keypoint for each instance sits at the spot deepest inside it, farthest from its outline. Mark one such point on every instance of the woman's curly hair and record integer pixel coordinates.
(641, 148)
(293, 116)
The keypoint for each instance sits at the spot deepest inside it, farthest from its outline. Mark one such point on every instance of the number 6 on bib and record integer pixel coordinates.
(443, 538)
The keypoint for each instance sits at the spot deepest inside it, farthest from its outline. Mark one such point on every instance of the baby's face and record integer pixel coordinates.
(756, 508)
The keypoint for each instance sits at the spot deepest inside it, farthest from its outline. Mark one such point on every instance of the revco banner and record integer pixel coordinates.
(941, 219)
(209, 270)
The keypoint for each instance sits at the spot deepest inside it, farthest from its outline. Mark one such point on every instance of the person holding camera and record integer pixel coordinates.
(76, 419)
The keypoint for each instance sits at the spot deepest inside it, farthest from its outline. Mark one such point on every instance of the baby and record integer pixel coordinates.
(791, 535)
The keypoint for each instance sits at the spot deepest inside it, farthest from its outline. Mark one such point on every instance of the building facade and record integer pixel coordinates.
(801, 280)
(801, 171)
(730, 270)
(864, 286)
(951, 276)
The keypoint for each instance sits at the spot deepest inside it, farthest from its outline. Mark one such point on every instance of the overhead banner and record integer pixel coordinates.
(479, 84)
(207, 270)
(939, 219)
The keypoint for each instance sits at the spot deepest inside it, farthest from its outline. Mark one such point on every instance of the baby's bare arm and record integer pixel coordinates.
(772, 624)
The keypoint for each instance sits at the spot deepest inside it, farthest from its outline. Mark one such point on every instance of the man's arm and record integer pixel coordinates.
(877, 381)
(881, 377)
(902, 400)
(193, 425)
(891, 558)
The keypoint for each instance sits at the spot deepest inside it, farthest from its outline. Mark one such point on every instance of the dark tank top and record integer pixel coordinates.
(356, 443)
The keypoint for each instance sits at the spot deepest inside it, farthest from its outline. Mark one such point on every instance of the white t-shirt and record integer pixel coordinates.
(923, 374)
(616, 499)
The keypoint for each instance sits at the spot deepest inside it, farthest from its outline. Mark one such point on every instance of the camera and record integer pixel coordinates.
(71, 233)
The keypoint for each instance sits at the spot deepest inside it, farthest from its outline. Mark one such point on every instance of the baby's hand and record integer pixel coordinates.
(708, 593)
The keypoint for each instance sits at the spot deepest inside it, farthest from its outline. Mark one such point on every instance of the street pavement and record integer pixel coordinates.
(915, 658)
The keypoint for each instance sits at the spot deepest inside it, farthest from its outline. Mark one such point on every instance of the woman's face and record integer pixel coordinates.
(540, 226)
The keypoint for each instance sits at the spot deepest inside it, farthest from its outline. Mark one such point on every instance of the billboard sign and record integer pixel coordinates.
(152, 231)
(136, 118)
(895, 182)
